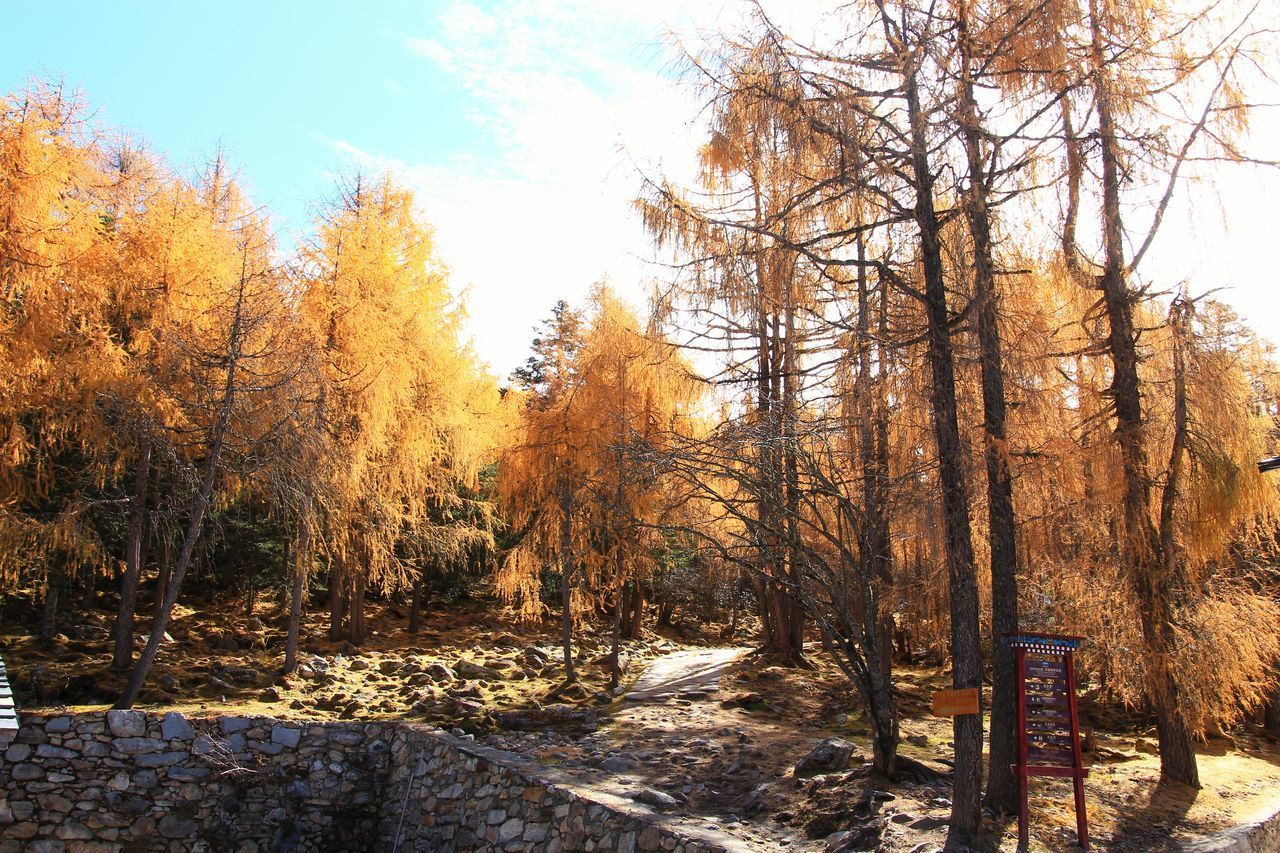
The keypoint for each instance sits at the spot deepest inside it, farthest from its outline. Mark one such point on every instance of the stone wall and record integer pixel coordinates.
(445, 793)
(128, 781)
(124, 780)
(1259, 837)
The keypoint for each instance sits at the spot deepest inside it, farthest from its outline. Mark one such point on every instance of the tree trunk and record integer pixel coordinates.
(566, 585)
(122, 650)
(1002, 789)
(415, 603)
(615, 651)
(337, 600)
(301, 569)
(49, 607)
(355, 624)
(163, 573)
(1140, 542)
(195, 523)
(966, 661)
(635, 611)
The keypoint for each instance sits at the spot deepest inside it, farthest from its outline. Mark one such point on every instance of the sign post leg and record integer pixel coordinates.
(1023, 817)
(1082, 821)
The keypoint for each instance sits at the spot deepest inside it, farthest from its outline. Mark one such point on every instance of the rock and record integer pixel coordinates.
(470, 669)
(872, 799)
(231, 725)
(127, 723)
(174, 725)
(17, 752)
(655, 798)
(619, 764)
(188, 773)
(136, 745)
(242, 674)
(830, 755)
(271, 694)
(26, 772)
(864, 837)
(358, 665)
(286, 736)
(174, 825)
(467, 707)
(533, 719)
(440, 672)
(510, 830)
(58, 726)
(749, 701)
(297, 789)
(389, 666)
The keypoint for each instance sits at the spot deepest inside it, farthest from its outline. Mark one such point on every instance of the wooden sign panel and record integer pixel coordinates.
(952, 703)
(1048, 725)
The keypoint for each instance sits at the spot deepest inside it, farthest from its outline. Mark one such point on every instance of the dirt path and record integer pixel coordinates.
(689, 674)
(670, 734)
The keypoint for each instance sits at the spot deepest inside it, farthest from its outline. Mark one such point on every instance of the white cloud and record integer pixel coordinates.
(567, 93)
(557, 89)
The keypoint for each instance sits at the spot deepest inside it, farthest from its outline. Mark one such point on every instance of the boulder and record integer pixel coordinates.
(655, 798)
(829, 756)
(621, 763)
(440, 672)
(534, 719)
(470, 669)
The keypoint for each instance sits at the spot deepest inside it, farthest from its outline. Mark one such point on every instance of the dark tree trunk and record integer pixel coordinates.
(615, 649)
(1002, 789)
(301, 564)
(163, 573)
(966, 660)
(355, 624)
(337, 601)
(566, 584)
(415, 603)
(635, 611)
(49, 607)
(122, 646)
(1140, 543)
(667, 609)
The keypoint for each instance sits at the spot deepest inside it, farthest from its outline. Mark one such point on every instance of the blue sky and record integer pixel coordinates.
(278, 83)
(520, 124)
(507, 117)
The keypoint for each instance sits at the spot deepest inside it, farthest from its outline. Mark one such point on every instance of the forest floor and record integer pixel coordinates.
(719, 747)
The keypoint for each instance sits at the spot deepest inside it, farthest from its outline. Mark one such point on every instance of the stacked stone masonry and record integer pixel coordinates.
(129, 781)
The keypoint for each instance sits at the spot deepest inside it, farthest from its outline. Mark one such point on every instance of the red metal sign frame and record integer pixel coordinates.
(1049, 661)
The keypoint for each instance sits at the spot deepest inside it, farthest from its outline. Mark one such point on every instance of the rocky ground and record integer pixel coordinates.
(776, 756)
(467, 664)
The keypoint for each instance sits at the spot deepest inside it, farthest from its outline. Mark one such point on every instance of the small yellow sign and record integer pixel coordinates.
(953, 703)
